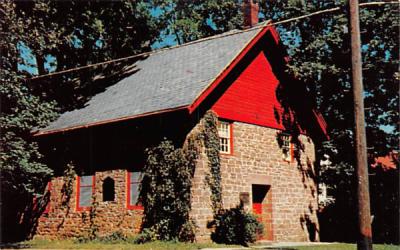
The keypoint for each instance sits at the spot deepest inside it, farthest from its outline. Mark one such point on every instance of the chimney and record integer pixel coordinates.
(250, 13)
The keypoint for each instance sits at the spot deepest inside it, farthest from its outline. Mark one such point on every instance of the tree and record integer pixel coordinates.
(58, 35)
(22, 172)
(83, 33)
(319, 48)
(192, 20)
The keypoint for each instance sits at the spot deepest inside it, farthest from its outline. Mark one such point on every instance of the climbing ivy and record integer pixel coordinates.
(69, 178)
(166, 191)
(93, 227)
(209, 135)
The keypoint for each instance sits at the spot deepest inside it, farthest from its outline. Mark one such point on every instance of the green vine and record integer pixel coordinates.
(166, 191)
(212, 145)
(93, 228)
(66, 190)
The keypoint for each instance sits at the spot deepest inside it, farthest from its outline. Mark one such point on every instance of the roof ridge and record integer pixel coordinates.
(227, 33)
(151, 52)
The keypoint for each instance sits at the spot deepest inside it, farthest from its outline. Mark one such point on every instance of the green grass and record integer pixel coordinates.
(342, 246)
(70, 244)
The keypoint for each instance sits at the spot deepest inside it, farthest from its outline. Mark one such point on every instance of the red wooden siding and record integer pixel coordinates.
(251, 98)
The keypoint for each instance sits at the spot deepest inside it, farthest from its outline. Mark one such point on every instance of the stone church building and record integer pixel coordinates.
(267, 127)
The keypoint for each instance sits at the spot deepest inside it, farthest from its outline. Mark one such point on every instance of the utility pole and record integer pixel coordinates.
(364, 241)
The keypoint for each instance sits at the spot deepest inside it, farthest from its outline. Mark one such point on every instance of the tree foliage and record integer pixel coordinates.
(21, 169)
(43, 36)
(320, 50)
(59, 35)
(79, 33)
(190, 20)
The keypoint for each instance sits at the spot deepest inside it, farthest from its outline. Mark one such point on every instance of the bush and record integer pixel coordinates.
(188, 231)
(235, 226)
(146, 235)
(114, 237)
(111, 238)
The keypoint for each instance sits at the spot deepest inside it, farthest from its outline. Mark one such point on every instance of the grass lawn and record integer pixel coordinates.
(70, 244)
(341, 246)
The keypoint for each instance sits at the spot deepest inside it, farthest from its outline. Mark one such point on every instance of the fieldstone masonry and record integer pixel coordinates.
(258, 159)
(288, 209)
(290, 206)
(64, 221)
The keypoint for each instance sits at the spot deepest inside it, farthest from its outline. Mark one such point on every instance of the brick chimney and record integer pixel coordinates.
(250, 10)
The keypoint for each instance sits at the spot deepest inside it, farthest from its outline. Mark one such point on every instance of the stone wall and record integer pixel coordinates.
(258, 159)
(64, 221)
(288, 210)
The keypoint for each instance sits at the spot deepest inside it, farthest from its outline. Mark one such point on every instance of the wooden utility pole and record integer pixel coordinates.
(364, 241)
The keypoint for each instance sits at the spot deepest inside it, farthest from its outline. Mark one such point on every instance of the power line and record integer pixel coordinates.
(266, 24)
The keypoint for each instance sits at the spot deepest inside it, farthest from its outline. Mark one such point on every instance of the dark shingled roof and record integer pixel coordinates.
(167, 79)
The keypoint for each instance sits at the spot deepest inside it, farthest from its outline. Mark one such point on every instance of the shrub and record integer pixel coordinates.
(188, 231)
(114, 237)
(146, 235)
(111, 238)
(236, 226)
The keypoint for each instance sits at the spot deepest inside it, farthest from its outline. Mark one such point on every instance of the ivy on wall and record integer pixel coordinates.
(209, 135)
(69, 178)
(166, 191)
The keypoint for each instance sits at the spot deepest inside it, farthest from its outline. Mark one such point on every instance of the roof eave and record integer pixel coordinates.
(126, 118)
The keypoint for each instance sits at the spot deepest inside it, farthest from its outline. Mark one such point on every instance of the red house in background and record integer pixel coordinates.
(267, 127)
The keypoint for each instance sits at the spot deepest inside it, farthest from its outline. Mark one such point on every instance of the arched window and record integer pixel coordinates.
(108, 189)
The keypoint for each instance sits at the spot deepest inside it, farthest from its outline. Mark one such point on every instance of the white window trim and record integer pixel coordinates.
(288, 148)
(224, 133)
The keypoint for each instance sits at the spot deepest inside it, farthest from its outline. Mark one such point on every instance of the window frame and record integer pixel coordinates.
(230, 142)
(290, 158)
(128, 192)
(78, 192)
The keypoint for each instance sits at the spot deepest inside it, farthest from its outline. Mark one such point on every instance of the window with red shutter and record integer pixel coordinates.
(133, 183)
(85, 190)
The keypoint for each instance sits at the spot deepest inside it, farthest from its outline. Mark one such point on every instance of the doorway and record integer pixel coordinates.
(262, 209)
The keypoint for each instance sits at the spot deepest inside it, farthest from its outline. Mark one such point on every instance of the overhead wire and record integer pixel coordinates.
(267, 24)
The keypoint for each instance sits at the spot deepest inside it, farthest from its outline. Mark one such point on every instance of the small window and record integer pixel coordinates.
(108, 189)
(85, 192)
(133, 183)
(286, 147)
(225, 137)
